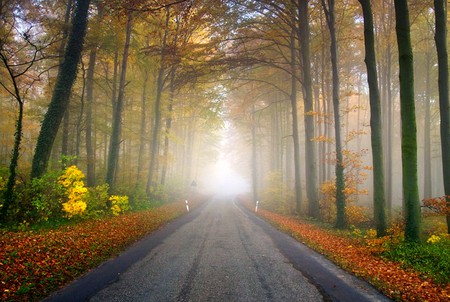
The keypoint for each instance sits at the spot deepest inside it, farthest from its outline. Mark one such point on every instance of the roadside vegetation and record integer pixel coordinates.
(61, 229)
(403, 271)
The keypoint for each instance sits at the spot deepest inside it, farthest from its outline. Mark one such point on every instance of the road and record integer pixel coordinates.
(220, 252)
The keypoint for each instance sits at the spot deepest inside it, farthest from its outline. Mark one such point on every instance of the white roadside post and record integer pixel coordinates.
(187, 206)
(256, 208)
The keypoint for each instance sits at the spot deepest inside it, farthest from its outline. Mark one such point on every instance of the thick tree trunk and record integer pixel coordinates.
(409, 139)
(310, 152)
(440, 7)
(61, 93)
(114, 144)
(379, 202)
(339, 169)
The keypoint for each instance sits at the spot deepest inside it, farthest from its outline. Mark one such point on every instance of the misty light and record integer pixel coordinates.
(223, 180)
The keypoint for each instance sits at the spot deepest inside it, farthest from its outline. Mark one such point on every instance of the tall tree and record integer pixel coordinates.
(440, 7)
(310, 152)
(114, 145)
(157, 111)
(379, 201)
(61, 93)
(339, 169)
(19, 52)
(408, 117)
(295, 132)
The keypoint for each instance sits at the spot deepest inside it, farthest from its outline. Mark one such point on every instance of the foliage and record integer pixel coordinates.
(438, 205)
(119, 204)
(355, 175)
(72, 181)
(96, 199)
(429, 258)
(276, 195)
(390, 277)
(35, 263)
(44, 194)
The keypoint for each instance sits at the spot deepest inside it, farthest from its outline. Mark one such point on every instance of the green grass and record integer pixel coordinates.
(429, 259)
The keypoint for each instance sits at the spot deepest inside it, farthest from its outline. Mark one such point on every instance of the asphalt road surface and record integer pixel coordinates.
(219, 252)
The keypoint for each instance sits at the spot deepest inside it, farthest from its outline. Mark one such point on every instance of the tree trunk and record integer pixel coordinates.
(90, 164)
(65, 130)
(295, 134)
(440, 7)
(79, 120)
(310, 152)
(9, 192)
(254, 160)
(339, 169)
(142, 127)
(379, 202)
(168, 126)
(427, 135)
(114, 144)
(409, 139)
(157, 122)
(61, 93)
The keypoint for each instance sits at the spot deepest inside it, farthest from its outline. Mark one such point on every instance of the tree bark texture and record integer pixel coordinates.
(408, 118)
(444, 106)
(379, 201)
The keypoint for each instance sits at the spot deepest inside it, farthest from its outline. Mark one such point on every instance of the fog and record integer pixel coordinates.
(221, 179)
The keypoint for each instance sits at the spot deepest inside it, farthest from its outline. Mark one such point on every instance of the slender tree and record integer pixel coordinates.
(409, 130)
(379, 201)
(310, 151)
(114, 145)
(157, 111)
(339, 169)
(61, 93)
(295, 132)
(440, 7)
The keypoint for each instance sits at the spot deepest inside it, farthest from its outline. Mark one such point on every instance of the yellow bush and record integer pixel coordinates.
(119, 204)
(72, 181)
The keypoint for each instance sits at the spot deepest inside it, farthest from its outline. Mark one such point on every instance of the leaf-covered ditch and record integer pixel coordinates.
(364, 258)
(33, 264)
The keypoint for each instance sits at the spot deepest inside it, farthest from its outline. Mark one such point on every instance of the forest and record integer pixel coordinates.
(331, 112)
(336, 111)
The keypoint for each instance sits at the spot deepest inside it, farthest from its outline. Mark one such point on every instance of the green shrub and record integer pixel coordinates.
(97, 199)
(430, 258)
(45, 195)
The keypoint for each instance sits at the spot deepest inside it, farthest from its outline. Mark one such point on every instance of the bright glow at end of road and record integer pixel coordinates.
(221, 179)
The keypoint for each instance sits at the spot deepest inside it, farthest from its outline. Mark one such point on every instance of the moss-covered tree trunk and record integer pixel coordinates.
(60, 98)
(408, 118)
(379, 201)
(440, 7)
